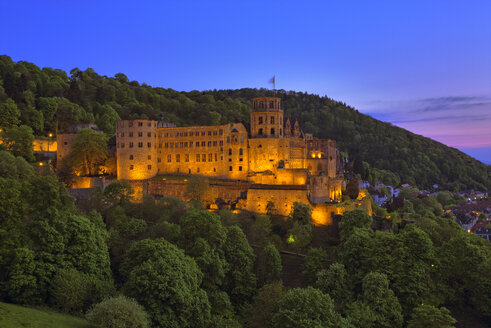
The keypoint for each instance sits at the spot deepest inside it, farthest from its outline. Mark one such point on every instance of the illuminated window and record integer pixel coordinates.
(178, 158)
(131, 167)
(230, 151)
(140, 144)
(131, 157)
(131, 145)
(198, 157)
(169, 158)
(140, 134)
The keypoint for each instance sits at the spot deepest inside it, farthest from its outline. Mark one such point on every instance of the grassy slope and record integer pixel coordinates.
(14, 316)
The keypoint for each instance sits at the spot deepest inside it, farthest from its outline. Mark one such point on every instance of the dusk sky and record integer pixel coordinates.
(421, 65)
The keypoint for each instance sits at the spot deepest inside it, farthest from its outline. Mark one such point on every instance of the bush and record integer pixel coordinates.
(119, 312)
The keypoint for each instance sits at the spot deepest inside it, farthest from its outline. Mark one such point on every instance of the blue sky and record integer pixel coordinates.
(422, 65)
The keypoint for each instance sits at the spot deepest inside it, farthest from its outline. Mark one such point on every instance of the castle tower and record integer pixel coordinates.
(136, 149)
(288, 128)
(266, 118)
(296, 129)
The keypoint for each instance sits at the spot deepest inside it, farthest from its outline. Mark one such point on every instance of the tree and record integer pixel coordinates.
(88, 152)
(352, 188)
(19, 140)
(240, 281)
(265, 305)
(334, 281)
(301, 213)
(166, 282)
(300, 235)
(198, 188)
(376, 306)
(357, 218)
(268, 265)
(9, 114)
(313, 264)
(428, 316)
(306, 308)
(117, 312)
(117, 193)
(260, 229)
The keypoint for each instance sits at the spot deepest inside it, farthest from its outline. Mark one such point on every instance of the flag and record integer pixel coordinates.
(272, 81)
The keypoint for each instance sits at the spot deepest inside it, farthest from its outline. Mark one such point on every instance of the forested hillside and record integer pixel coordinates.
(49, 99)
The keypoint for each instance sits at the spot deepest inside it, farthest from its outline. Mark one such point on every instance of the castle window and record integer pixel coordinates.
(235, 138)
(191, 133)
(203, 133)
(203, 158)
(197, 143)
(210, 157)
(149, 144)
(214, 143)
(178, 158)
(198, 157)
(281, 131)
(197, 169)
(140, 134)
(160, 135)
(241, 139)
(260, 146)
(149, 124)
(272, 120)
(271, 104)
(166, 135)
(230, 168)
(122, 134)
(131, 167)
(214, 132)
(209, 143)
(159, 159)
(229, 159)
(260, 120)
(185, 134)
(216, 157)
(160, 145)
(131, 134)
(140, 144)
(214, 169)
(186, 158)
(149, 157)
(260, 132)
(221, 158)
(240, 168)
(220, 132)
(149, 134)
(140, 123)
(130, 124)
(203, 143)
(149, 167)
(131, 157)
(241, 159)
(272, 131)
(181, 144)
(221, 142)
(228, 139)
(190, 144)
(171, 145)
(209, 133)
(131, 145)
(230, 151)
(169, 158)
(166, 145)
(122, 145)
(241, 152)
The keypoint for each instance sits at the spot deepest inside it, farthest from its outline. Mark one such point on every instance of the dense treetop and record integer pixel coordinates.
(49, 99)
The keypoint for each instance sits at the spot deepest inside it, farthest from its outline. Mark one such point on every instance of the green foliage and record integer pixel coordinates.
(268, 265)
(197, 188)
(313, 264)
(334, 281)
(166, 282)
(70, 291)
(260, 229)
(19, 141)
(301, 213)
(427, 316)
(117, 312)
(305, 308)
(117, 193)
(9, 114)
(300, 235)
(265, 305)
(228, 218)
(88, 152)
(357, 218)
(352, 188)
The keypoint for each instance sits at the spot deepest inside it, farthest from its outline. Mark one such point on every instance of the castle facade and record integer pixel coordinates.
(275, 155)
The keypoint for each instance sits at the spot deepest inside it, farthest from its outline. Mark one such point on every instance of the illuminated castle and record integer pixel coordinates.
(274, 156)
